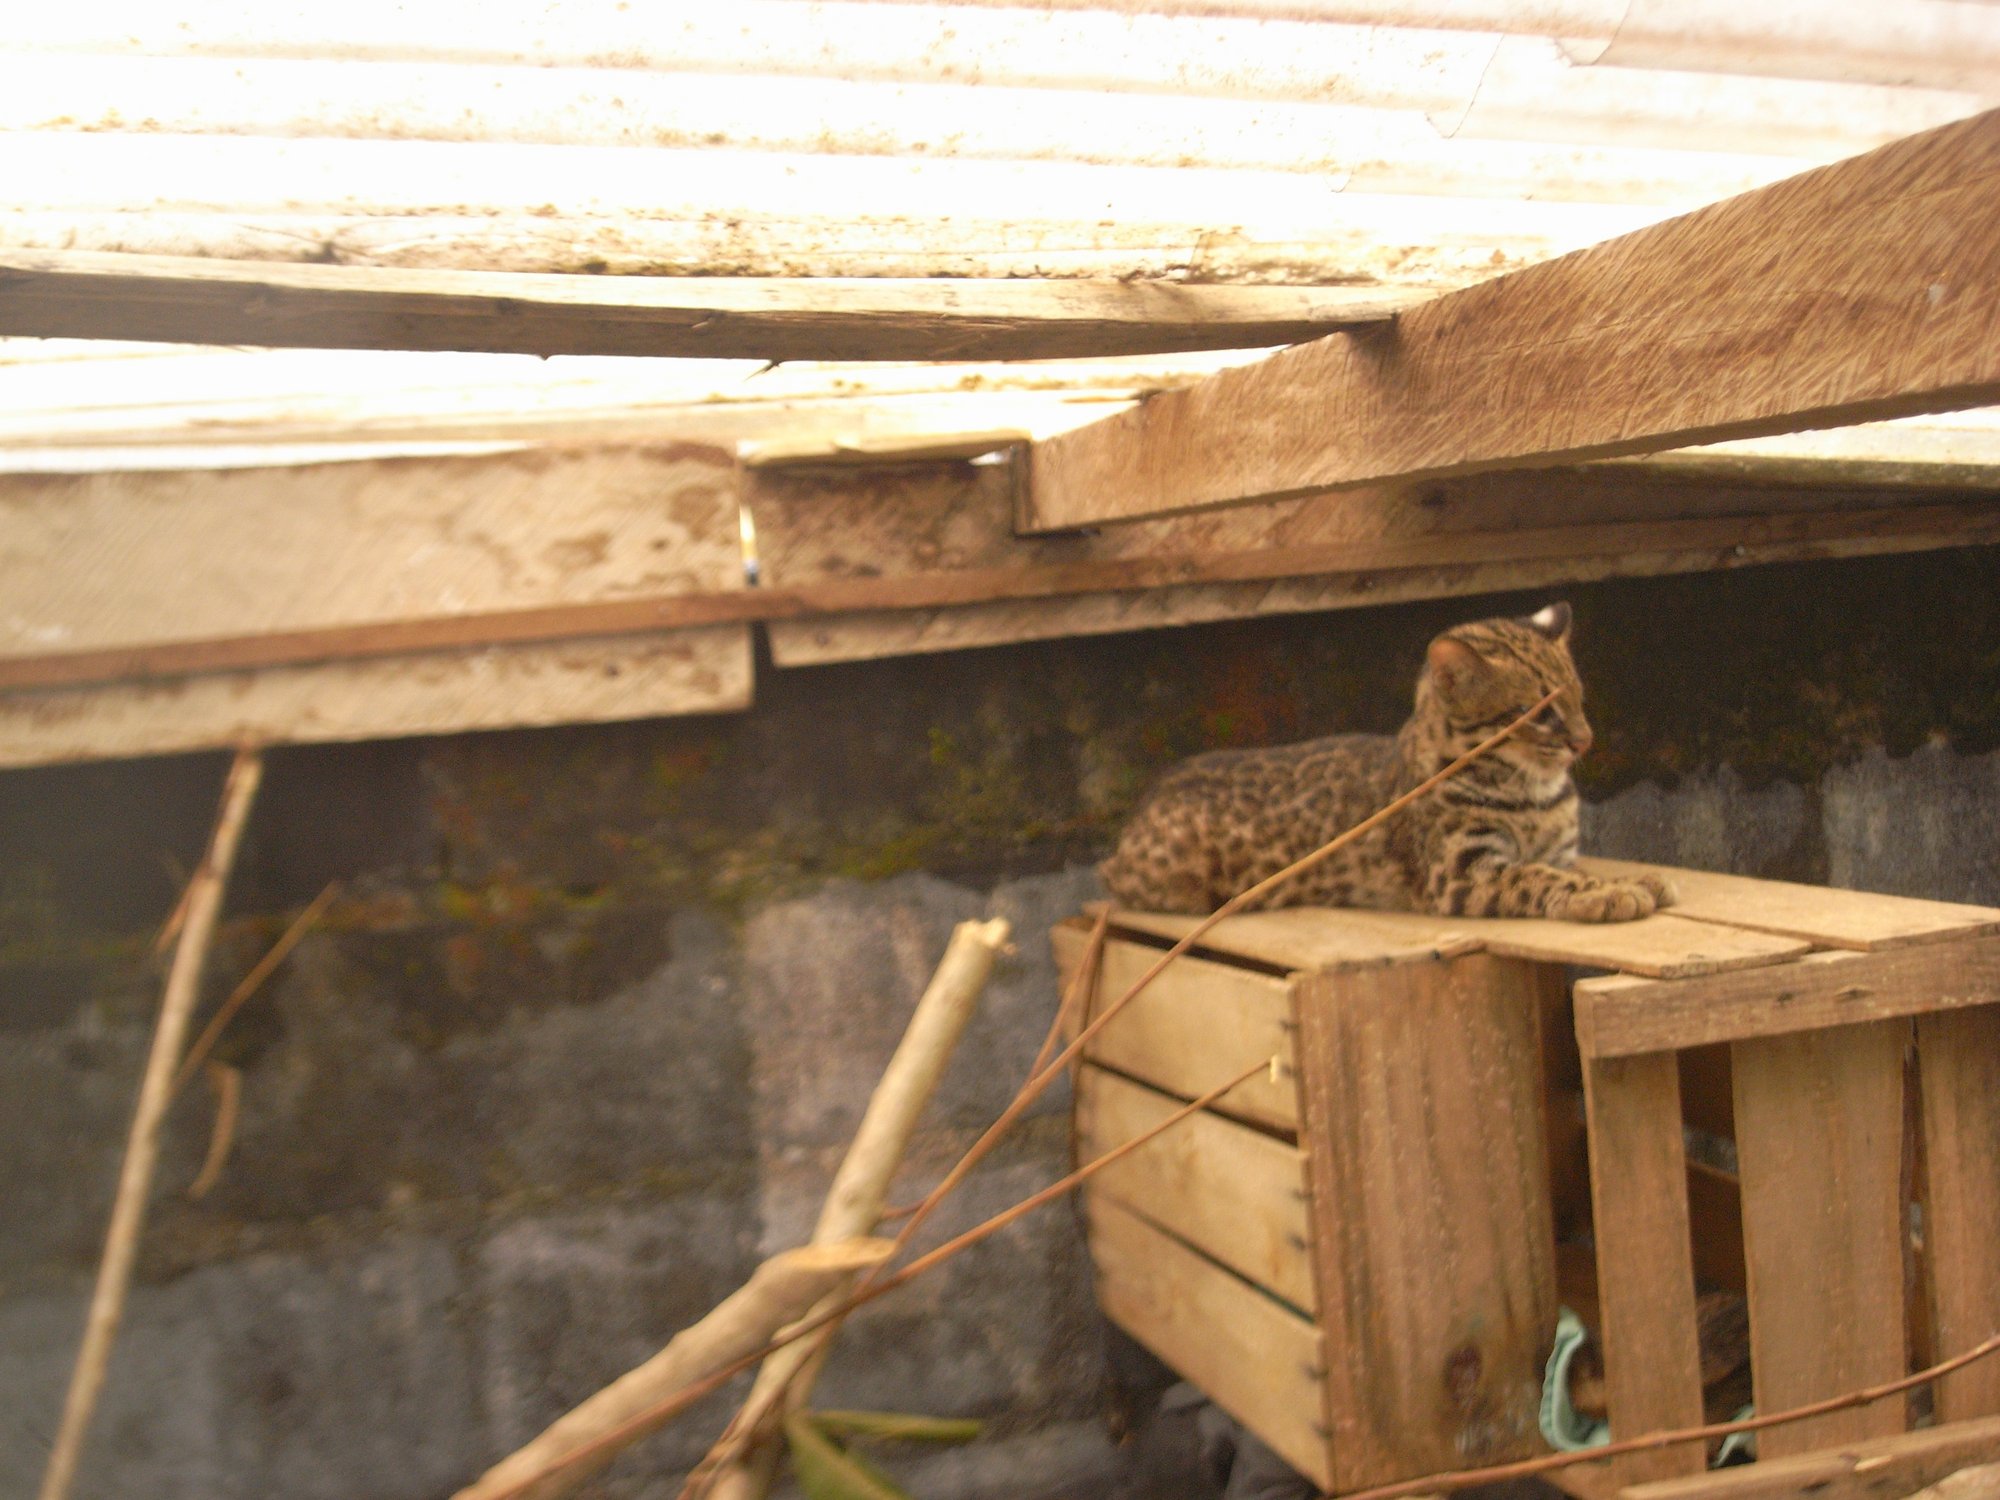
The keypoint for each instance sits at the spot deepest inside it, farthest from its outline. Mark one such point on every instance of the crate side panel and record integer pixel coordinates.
(1232, 1192)
(1257, 1360)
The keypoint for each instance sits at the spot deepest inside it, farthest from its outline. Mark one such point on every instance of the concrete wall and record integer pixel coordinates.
(598, 1007)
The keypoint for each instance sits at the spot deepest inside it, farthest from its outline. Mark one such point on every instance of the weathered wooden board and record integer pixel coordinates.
(1253, 1357)
(109, 560)
(1431, 1217)
(1308, 937)
(1882, 303)
(1959, 1070)
(1619, 1014)
(1885, 1468)
(1827, 917)
(1199, 1021)
(911, 526)
(83, 294)
(153, 561)
(1645, 1270)
(506, 687)
(1234, 1193)
(1819, 1134)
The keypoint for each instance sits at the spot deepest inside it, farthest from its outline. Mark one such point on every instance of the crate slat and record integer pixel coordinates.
(1198, 1023)
(1819, 1135)
(1645, 1268)
(1231, 1192)
(1431, 1220)
(1829, 918)
(1311, 938)
(1958, 1066)
(1256, 1359)
(1618, 1014)
(1879, 1469)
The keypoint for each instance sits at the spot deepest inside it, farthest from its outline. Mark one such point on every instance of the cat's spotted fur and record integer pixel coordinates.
(1499, 839)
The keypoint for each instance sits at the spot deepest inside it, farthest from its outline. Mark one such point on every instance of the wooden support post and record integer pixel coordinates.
(1862, 290)
(1958, 1069)
(142, 1151)
(1819, 1132)
(1645, 1267)
(1430, 1204)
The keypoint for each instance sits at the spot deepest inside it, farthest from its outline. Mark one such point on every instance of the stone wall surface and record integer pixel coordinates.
(596, 1009)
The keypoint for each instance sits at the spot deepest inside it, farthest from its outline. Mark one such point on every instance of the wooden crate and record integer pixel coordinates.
(1361, 1254)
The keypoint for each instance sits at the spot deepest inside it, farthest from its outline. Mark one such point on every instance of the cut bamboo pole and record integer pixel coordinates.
(860, 1189)
(779, 1292)
(142, 1151)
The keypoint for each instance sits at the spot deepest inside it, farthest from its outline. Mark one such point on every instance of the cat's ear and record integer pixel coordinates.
(1452, 662)
(1552, 620)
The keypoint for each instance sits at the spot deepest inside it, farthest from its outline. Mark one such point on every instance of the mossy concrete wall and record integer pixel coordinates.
(598, 1007)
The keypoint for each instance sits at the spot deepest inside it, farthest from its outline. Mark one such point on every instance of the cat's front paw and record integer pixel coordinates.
(1620, 902)
(1664, 894)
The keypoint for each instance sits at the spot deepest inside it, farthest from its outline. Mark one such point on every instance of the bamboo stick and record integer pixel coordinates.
(777, 1293)
(860, 1190)
(142, 1151)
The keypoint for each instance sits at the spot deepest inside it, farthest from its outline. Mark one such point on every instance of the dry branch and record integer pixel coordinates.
(228, 1084)
(860, 1190)
(247, 986)
(142, 1151)
(778, 1292)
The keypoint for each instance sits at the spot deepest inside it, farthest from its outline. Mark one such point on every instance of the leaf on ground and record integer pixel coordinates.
(827, 1471)
(897, 1427)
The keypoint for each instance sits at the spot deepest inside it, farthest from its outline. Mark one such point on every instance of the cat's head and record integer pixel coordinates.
(1479, 675)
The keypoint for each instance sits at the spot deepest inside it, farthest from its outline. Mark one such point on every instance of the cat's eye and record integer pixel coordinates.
(1548, 718)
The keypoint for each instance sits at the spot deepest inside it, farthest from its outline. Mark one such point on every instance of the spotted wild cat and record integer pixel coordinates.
(1499, 839)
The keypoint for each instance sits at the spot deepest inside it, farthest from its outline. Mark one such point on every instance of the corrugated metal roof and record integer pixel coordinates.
(1395, 143)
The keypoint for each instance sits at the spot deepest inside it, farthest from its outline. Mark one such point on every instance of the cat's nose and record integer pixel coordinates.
(1580, 743)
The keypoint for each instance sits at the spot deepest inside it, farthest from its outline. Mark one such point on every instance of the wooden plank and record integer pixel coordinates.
(1310, 937)
(1197, 1020)
(1397, 541)
(1885, 1468)
(192, 300)
(1253, 1357)
(1645, 1268)
(1430, 1204)
(1235, 1194)
(1958, 1062)
(1819, 1134)
(1827, 917)
(574, 682)
(1617, 1014)
(1882, 304)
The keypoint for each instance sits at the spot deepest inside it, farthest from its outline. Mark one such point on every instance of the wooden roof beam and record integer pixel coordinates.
(190, 300)
(1866, 289)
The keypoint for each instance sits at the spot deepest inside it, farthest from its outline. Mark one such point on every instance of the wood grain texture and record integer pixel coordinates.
(1256, 1359)
(1819, 1135)
(1829, 918)
(1958, 1061)
(1618, 1014)
(190, 300)
(1645, 1269)
(1307, 937)
(1232, 1192)
(1431, 1221)
(507, 687)
(1875, 1469)
(1861, 290)
(912, 526)
(1198, 1021)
